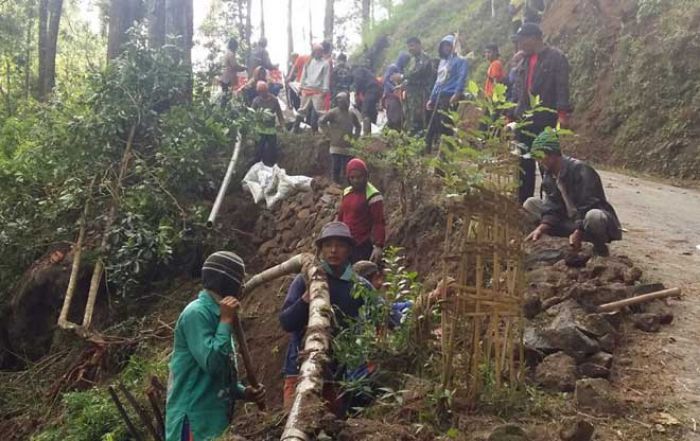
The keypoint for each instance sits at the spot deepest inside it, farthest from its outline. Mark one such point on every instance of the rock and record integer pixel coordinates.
(661, 309)
(563, 334)
(532, 306)
(557, 372)
(647, 322)
(304, 213)
(577, 260)
(592, 370)
(648, 288)
(590, 296)
(594, 325)
(608, 343)
(545, 256)
(602, 359)
(552, 301)
(595, 394)
(632, 275)
(576, 429)
(508, 432)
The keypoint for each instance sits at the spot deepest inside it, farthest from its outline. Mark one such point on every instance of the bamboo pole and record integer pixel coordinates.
(308, 404)
(111, 217)
(292, 266)
(673, 292)
(75, 269)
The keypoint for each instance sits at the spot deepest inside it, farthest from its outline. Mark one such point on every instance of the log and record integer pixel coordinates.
(613, 306)
(308, 406)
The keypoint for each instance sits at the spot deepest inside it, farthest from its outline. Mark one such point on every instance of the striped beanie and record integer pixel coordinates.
(546, 142)
(223, 273)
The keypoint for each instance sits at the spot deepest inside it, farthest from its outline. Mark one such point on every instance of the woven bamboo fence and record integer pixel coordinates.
(482, 321)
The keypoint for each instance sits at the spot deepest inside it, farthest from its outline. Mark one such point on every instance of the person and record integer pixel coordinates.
(368, 94)
(362, 209)
(495, 73)
(447, 91)
(419, 79)
(514, 86)
(334, 246)
(267, 132)
(341, 124)
(293, 79)
(260, 57)
(250, 90)
(203, 382)
(229, 77)
(525, 11)
(575, 204)
(393, 79)
(544, 72)
(341, 81)
(315, 86)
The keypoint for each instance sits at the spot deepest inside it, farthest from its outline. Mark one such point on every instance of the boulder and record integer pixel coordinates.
(608, 343)
(662, 310)
(557, 372)
(647, 322)
(632, 275)
(594, 325)
(508, 432)
(597, 365)
(576, 429)
(532, 306)
(595, 394)
(590, 296)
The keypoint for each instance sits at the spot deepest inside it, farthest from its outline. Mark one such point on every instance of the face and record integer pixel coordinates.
(549, 162)
(342, 101)
(357, 179)
(488, 54)
(414, 48)
(445, 49)
(335, 251)
(377, 280)
(528, 44)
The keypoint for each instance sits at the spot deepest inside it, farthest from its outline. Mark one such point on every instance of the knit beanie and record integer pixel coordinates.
(223, 273)
(356, 164)
(546, 142)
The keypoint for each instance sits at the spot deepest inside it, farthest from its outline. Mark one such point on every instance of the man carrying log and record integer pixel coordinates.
(362, 209)
(203, 383)
(575, 203)
(334, 245)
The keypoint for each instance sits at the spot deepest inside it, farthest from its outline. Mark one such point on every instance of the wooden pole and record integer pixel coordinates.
(245, 354)
(143, 416)
(125, 416)
(613, 306)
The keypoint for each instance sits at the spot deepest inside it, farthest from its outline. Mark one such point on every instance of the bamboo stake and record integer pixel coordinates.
(143, 416)
(673, 292)
(75, 269)
(111, 217)
(125, 416)
(307, 399)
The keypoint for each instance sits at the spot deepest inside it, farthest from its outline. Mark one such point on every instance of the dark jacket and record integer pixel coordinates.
(551, 83)
(582, 183)
(295, 312)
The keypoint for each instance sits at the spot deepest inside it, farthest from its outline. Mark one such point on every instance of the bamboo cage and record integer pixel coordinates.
(482, 321)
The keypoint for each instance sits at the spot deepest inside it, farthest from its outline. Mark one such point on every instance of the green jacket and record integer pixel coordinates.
(203, 374)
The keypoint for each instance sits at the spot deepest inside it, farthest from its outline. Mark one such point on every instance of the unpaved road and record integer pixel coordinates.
(663, 238)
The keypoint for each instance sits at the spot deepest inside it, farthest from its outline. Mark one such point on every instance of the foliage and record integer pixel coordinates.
(64, 146)
(401, 154)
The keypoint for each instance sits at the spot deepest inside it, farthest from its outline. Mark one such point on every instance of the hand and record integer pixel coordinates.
(429, 105)
(255, 395)
(377, 253)
(575, 240)
(228, 306)
(537, 233)
(307, 296)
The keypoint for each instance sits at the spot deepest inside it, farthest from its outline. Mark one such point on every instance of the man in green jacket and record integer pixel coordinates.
(203, 383)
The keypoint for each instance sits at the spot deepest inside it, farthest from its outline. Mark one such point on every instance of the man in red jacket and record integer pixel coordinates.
(362, 209)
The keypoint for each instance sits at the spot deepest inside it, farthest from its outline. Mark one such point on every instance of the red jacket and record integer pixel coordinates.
(364, 215)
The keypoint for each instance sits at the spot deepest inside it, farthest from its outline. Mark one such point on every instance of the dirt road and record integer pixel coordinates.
(663, 237)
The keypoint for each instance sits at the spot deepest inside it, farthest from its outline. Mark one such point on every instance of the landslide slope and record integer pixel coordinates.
(635, 70)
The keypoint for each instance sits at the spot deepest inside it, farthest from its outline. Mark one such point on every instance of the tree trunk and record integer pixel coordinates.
(366, 11)
(43, 48)
(122, 15)
(248, 24)
(156, 23)
(328, 21)
(311, 28)
(55, 9)
(262, 18)
(179, 22)
(28, 63)
(290, 33)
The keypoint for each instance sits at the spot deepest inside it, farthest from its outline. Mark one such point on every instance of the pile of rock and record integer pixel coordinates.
(291, 226)
(568, 343)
